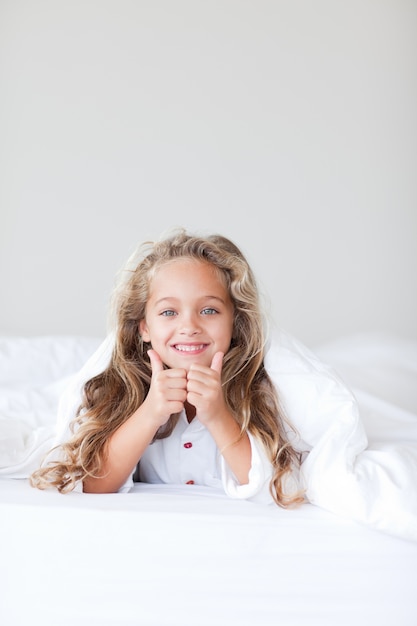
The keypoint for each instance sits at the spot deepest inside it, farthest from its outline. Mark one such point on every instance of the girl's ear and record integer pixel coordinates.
(143, 331)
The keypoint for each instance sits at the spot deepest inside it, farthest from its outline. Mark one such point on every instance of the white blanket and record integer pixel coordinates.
(363, 458)
(362, 461)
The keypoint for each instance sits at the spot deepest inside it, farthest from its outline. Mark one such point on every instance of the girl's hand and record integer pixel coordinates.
(168, 391)
(204, 390)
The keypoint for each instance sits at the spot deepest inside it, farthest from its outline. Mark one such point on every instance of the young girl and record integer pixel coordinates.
(185, 397)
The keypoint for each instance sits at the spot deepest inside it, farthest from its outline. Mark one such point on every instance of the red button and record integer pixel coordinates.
(188, 444)
(189, 482)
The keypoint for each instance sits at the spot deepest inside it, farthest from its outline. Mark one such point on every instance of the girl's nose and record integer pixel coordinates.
(190, 325)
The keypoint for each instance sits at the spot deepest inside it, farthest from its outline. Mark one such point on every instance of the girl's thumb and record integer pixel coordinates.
(217, 362)
(156, 363)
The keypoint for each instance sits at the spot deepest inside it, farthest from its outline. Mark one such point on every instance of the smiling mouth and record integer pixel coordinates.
(188, 348)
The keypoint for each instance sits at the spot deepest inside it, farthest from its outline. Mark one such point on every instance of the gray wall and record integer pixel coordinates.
(289, 126)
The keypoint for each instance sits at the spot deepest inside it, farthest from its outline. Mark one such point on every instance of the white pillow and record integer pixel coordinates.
(33, 361)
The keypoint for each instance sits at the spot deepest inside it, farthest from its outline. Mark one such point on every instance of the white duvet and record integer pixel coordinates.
(359, 424)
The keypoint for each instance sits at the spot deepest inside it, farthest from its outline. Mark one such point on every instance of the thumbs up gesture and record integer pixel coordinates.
(204, 389)
(168, 390)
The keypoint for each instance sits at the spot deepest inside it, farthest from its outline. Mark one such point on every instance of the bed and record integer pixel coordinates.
(168, 555)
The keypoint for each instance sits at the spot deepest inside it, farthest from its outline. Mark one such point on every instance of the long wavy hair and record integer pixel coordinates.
(112, 396)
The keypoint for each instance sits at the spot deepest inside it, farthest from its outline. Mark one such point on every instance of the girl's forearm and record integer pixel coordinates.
(233, 445)
(124, 450)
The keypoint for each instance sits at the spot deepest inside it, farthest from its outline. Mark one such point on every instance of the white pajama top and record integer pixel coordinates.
(190, 456)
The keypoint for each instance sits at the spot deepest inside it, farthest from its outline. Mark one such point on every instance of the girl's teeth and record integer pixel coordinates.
(189, 348)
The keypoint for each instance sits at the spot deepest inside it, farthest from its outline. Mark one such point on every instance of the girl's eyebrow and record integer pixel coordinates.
(174, 299)
(165, 299)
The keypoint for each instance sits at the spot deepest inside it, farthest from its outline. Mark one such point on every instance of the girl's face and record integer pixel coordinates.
(189, 314)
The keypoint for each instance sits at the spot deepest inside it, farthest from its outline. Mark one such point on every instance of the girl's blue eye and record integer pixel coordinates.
(168, 313)
(209, 311)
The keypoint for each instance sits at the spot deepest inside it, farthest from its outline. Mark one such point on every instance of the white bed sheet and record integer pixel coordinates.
(181, 556)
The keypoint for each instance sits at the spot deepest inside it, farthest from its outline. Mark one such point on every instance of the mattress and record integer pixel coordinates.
(171, 555)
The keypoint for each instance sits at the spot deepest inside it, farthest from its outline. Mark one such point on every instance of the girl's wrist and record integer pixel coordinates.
(230, 444)
(150, 418)
(225, 430)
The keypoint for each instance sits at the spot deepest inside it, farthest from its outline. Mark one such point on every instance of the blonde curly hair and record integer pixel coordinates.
(112, 396)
